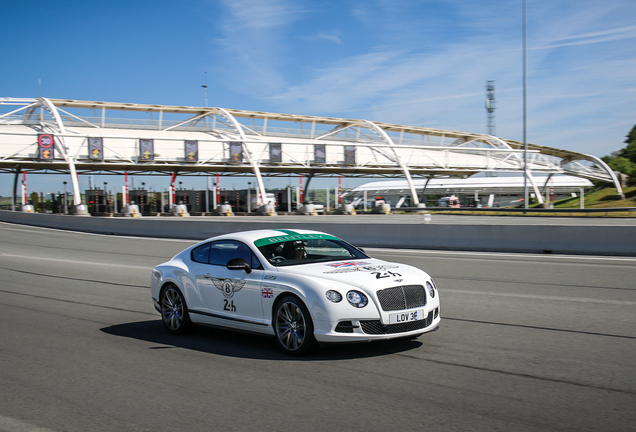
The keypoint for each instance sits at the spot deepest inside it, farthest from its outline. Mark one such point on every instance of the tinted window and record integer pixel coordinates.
(201, 254)
(255, 264)
(309, 251)
(223, 251)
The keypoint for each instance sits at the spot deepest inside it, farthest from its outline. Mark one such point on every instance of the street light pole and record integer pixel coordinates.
(65, 200)
(525, 111)
(249, 198)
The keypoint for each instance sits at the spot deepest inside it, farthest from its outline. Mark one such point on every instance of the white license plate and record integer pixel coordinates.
(397, 318)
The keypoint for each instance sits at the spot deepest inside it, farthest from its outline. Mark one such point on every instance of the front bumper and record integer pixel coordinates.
(368, 330)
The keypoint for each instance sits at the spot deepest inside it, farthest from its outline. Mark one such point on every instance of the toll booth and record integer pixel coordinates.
(155, 202)
(141, 198)
(96, 200)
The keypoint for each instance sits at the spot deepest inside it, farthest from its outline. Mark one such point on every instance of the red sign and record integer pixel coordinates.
(45, 145)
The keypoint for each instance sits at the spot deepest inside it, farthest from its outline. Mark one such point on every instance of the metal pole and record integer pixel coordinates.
(327, 206)
(65, 199)
(15, 187)
(289, 198)
(582, 198)
(249, 204)
(205, 95)
(207, 196)
(525, 112)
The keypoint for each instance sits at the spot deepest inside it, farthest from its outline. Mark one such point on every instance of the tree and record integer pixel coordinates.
(35, 199)
(624, 160)
(631, 136)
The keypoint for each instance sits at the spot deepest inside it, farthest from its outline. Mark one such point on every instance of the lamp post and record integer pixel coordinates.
(65, 199)
(525, 112)
(106, 209)
(249, 201)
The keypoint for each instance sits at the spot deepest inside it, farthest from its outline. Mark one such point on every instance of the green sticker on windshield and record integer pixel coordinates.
(289, 237)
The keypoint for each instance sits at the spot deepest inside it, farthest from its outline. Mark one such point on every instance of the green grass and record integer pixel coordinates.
(601, 198)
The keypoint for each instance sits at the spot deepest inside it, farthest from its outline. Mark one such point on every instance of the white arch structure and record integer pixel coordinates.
(272, 143)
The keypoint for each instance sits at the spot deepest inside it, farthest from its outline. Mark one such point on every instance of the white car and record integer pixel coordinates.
(303, 287)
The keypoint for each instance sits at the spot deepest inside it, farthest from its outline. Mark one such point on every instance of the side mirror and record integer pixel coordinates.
(238, 264)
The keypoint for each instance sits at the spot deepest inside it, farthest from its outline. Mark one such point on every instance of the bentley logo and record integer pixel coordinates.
(228, 286)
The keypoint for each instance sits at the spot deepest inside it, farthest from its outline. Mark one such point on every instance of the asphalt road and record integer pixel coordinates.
(526, 343)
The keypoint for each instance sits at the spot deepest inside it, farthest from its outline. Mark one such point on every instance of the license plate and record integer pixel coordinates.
(397, 318)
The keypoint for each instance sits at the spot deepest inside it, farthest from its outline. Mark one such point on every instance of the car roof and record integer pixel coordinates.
(252, 236)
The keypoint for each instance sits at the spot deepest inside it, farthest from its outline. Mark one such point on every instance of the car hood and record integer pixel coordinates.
(368, 274)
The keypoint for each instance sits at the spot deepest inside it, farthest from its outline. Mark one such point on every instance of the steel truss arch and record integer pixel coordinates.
(381, 149)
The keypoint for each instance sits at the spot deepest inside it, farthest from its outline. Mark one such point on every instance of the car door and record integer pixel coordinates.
(231, 295)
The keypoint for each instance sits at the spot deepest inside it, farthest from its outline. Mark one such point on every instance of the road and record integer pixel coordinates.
(526, 343)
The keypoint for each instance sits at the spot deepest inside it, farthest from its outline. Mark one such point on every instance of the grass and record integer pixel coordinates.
(601, 198)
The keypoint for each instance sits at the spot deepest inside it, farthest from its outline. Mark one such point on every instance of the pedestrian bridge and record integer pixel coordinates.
(44, 135)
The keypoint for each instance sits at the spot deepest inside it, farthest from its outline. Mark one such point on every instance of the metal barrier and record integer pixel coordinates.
(622, 211)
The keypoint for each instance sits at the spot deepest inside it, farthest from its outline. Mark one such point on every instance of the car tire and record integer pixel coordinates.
(293, 327)
(174, 310)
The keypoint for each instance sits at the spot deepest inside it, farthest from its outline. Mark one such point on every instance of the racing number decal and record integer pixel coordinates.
(385, 274)
(229, 305)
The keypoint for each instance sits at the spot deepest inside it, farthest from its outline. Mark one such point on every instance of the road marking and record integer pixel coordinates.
(539, 297)
(93, 263)
(29, 228)
(501, 254)
(9, 424)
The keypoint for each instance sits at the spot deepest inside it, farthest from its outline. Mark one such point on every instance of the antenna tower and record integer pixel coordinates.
(491, 105)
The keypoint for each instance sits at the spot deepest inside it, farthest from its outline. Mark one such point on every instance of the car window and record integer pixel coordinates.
(309, 250)
(223, 251)
(201, 254)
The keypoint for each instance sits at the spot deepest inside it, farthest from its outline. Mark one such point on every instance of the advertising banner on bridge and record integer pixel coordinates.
(236, 152)
(46, 147)
(191, 150)
(146, 150)
(320, 154)
(349, 155)
(95, 148)
(275, 152)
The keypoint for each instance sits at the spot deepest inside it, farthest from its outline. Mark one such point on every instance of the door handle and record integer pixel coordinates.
(207, 276)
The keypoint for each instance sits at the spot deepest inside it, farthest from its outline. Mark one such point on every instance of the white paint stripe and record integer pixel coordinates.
(539, 297)
(9, 424)
(501, 254)
(92, 263)
(12, 227)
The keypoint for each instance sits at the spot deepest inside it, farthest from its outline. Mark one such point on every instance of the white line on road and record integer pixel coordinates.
(93, 263)
(500, 254)
(539, 297)
(9, 424)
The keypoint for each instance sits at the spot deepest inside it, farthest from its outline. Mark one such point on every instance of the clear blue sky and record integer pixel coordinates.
(421, 63)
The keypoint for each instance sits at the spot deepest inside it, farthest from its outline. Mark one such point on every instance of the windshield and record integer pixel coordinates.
(308, 251)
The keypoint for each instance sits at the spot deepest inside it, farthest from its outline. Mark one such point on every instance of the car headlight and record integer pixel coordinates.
(357, 299)
(333, 296)
(431, 290)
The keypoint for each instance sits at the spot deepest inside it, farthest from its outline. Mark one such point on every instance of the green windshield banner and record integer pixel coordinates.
(293, 236)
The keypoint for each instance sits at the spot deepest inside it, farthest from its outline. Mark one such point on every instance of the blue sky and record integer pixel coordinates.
(421, 63)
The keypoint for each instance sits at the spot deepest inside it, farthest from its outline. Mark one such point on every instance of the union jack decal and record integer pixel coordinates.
(267, 293)
(347, 264)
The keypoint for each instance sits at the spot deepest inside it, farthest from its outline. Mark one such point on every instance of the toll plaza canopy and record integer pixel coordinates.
(45, 135)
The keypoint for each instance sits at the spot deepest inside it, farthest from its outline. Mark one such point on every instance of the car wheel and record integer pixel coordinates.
(174, 311)
(293, 327)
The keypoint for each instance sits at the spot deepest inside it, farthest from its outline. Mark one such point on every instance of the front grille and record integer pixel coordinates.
(402, 297)
(377, 328)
